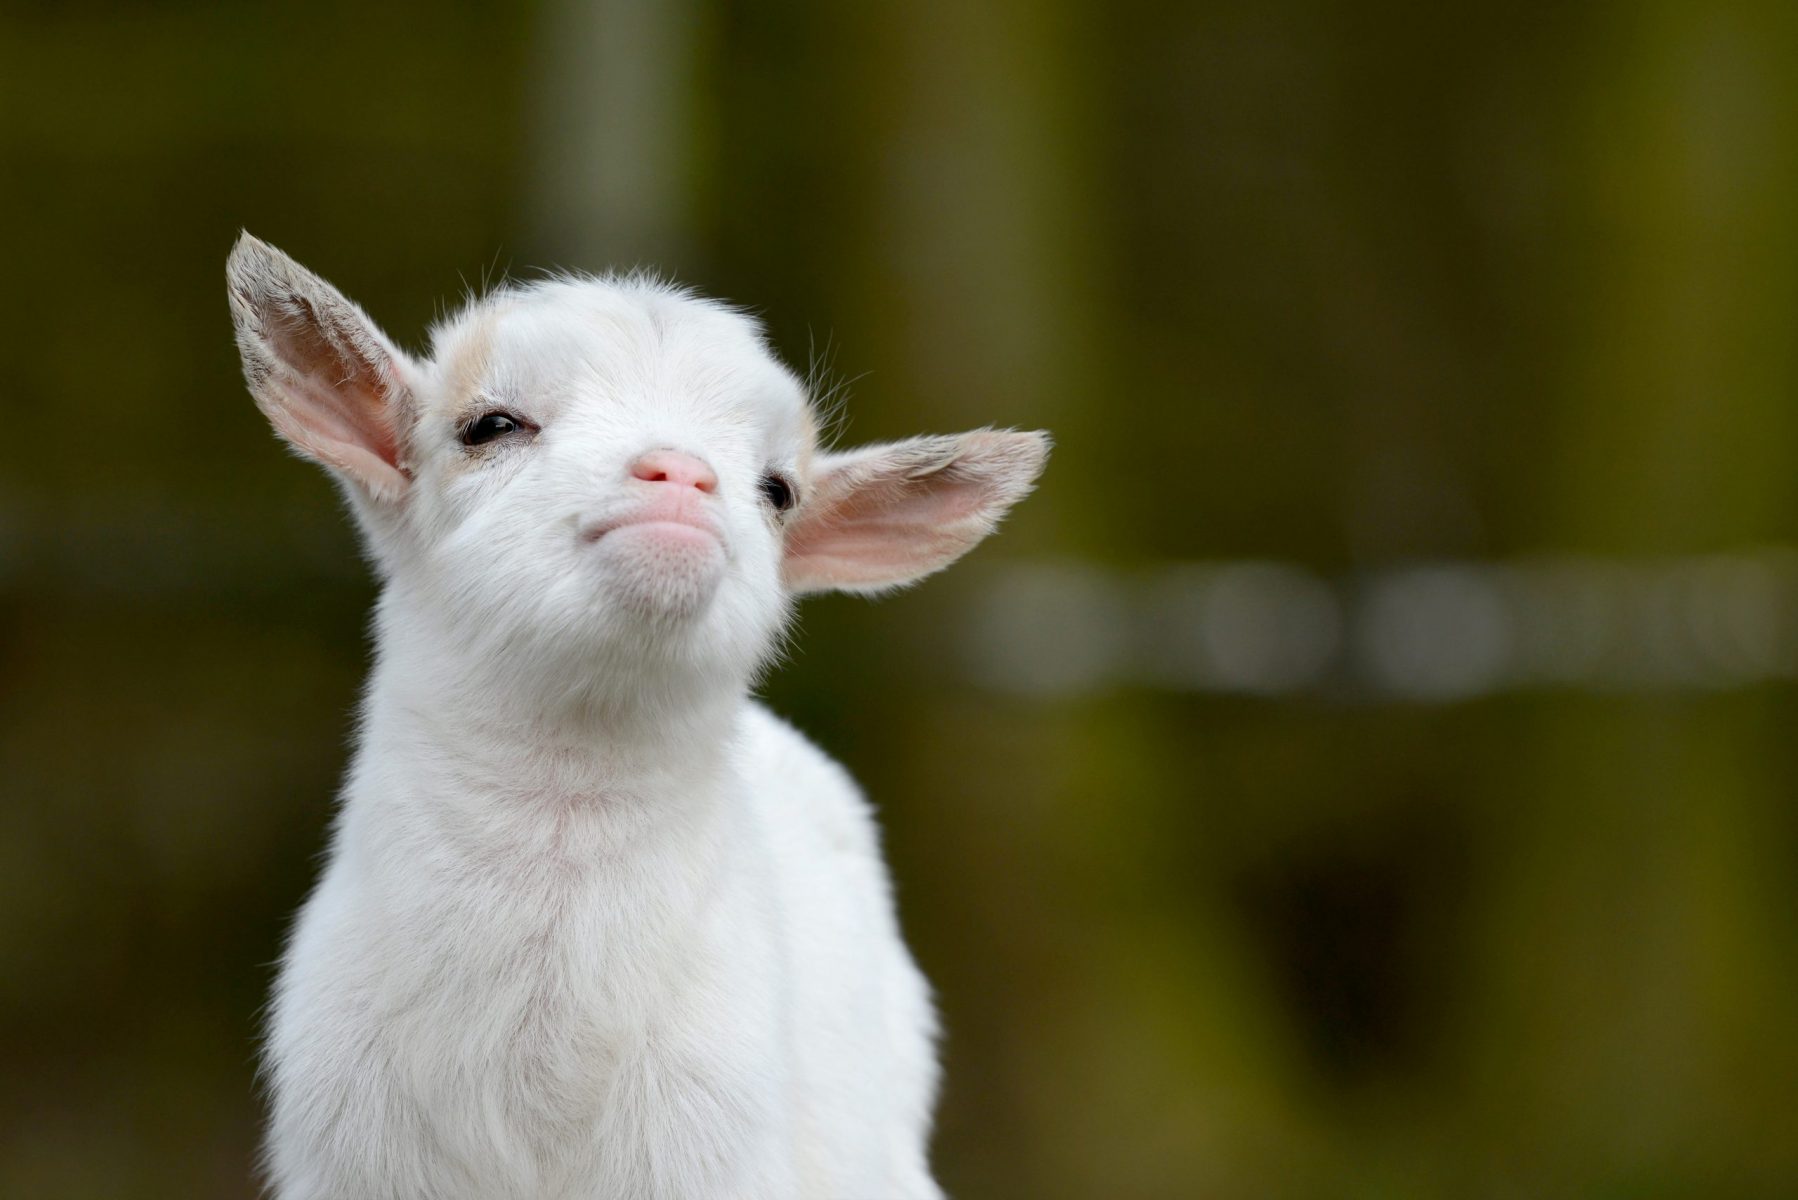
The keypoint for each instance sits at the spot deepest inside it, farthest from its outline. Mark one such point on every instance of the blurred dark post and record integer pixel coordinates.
(618, 132)
(1639, 999)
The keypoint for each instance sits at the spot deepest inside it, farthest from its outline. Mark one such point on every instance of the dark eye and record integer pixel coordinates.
(489, 426)
(778, 492)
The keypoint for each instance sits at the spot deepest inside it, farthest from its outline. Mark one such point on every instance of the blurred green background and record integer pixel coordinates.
(1348, 289)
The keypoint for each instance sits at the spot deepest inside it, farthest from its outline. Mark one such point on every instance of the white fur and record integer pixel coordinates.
(595, 924)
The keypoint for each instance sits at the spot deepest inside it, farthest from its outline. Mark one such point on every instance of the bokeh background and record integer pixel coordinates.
(1365, 768)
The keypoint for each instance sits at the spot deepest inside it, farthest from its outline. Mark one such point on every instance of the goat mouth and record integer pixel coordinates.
(674, 526)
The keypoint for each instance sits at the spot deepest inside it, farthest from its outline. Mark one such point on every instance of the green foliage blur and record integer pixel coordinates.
(1342, 285)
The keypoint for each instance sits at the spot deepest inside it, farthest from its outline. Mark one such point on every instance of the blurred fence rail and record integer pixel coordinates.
(1424, 632)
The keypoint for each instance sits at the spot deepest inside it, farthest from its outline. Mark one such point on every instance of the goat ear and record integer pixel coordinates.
(328, 380)
(885, 515)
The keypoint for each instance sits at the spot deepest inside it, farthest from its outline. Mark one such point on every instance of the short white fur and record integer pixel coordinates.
(595, 924)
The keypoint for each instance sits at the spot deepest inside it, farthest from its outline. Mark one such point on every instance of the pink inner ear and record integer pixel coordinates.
(872, 552)
(339, 444)
(342, 398)
(888, 514)
(897, 502)
(349, 415)
(888, 530)
(331, 402)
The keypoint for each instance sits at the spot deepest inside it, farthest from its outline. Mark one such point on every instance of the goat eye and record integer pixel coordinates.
(488, 426)
(778, 492)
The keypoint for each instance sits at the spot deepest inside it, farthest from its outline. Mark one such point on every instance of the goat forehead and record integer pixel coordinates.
(631, 340)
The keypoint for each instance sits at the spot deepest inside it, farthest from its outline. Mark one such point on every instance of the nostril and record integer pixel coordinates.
(671, 466)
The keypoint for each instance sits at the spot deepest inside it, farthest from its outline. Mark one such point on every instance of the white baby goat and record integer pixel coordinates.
(595, 924)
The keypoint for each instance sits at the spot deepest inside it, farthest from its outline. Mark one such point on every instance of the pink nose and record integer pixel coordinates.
(671, 466)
